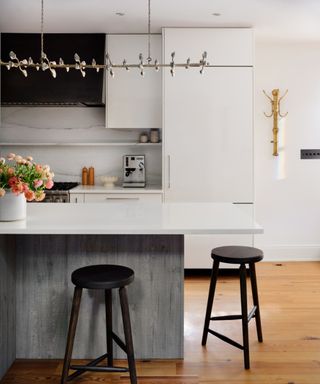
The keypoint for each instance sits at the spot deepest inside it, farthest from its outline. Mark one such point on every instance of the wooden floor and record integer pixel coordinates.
(290, 354)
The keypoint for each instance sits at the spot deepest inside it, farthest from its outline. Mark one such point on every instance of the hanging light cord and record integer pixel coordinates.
(42, 23)
(149, 32)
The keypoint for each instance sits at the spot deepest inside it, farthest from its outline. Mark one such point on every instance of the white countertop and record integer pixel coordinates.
(115, 189)
(133, 218)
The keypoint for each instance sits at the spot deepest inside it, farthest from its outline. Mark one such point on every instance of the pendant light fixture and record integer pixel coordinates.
(80, 65)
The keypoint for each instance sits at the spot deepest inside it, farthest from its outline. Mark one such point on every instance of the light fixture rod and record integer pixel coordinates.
(103, 66)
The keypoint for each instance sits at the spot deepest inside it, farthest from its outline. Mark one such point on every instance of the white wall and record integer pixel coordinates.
(287, 189)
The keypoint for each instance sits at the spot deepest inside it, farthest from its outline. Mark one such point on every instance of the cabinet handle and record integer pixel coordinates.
(169, 172)
(76, 200)
(242, 202)
(122, 198)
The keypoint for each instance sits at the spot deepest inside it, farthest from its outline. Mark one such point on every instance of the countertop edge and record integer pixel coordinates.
(256, 231)
(99, 189)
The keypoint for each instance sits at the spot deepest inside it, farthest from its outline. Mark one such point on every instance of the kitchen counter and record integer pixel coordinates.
(115, 189)
(38, 255)
(133, 218)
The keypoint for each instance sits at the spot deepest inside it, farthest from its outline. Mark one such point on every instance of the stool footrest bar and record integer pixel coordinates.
(99, 368)
(226, 317)
(226, 339)
(252, 313)
(121, 344)
(91, 364)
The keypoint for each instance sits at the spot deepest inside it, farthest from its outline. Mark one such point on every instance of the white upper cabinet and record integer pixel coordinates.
(133, 101)
(225, 46)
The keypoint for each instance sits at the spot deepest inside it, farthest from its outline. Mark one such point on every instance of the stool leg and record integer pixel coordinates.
(213, 282)
(108, 302)
(255, 297)
(128, 334)
(71, 333)
(244, 313)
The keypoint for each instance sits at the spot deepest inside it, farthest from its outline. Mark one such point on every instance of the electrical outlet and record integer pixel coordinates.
(310, 154)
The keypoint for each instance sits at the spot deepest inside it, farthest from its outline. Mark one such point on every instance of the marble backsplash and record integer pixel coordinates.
(32, 125)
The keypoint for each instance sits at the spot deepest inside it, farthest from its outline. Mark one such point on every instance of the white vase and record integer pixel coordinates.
(13, 207)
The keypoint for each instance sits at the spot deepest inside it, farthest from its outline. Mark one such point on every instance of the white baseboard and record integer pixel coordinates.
(291, 252)
(274, 253)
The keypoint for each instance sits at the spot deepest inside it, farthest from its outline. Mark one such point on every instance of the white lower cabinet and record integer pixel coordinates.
(122, 197)
(198, 247)
(76, 198)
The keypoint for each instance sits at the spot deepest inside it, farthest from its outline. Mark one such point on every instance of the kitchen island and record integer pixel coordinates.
(37, 256)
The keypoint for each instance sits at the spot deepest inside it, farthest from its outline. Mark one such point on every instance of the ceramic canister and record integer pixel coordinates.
(13, 207)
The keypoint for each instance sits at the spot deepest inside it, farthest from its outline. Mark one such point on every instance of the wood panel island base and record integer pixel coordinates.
(38, 255)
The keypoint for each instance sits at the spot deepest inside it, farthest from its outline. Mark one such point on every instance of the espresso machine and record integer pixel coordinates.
(134, 172)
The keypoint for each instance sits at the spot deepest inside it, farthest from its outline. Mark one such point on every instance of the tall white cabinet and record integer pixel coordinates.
(208, 127)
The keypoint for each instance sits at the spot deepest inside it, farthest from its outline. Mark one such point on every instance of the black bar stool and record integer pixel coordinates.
(106, 277)
(236, 255)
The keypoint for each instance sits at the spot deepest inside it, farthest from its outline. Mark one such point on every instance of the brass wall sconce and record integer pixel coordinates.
(275, 113)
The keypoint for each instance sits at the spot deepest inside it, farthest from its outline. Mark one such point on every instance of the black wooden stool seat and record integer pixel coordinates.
(102, 276)
(236, 255)
(106, 277)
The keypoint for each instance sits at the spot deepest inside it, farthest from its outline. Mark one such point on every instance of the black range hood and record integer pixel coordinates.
(40, 88)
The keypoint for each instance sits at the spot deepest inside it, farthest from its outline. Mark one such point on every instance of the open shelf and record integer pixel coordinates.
(106, 144)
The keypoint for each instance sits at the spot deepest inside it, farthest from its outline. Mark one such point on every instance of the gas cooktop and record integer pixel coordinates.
(63, 186)
(59, 193)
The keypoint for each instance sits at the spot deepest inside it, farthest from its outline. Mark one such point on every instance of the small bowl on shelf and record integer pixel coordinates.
(109, 181)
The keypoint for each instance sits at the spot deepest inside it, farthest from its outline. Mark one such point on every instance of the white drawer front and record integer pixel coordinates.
(198, 247)
(76, 198)
(121, 197)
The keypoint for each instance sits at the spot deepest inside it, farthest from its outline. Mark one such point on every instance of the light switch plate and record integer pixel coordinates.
(310, 154)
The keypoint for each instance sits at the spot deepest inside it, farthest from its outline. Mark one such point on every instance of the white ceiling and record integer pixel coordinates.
(280, 20)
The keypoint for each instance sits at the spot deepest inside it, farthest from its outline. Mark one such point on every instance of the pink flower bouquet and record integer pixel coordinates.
(22, 175)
